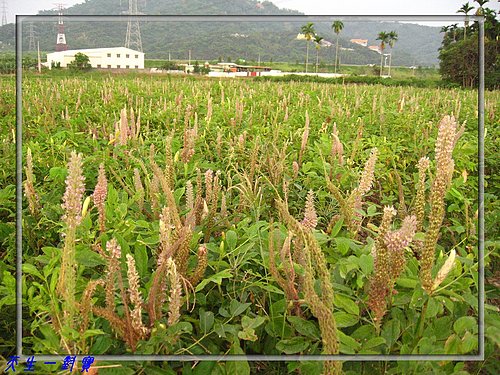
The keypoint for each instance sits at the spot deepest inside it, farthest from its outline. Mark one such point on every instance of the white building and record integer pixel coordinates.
(103, 58)
(361, 42)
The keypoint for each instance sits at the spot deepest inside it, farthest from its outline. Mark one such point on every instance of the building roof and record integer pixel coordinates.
(93, 50)
(360, 41)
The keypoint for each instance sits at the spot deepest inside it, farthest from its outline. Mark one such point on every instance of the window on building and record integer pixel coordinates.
(117, 55)
(109, 66)
(137, 66)
(109, 54)
(118, 66)
(98, 65)
(136, 56)
(127, 55)
(126, 66)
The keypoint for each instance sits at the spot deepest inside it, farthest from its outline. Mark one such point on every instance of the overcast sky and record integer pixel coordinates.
(316, 7)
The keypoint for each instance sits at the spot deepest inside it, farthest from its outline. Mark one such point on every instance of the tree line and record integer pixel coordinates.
(459, 49)
(309, 33)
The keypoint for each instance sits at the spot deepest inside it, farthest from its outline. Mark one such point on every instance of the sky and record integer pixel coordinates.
(316, 7)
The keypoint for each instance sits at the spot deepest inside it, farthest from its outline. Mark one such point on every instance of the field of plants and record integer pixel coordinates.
(182, 215)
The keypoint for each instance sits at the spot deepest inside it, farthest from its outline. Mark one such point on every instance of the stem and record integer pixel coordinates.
(422, 320)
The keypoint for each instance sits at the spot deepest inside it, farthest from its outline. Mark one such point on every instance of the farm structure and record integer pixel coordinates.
(103, 58)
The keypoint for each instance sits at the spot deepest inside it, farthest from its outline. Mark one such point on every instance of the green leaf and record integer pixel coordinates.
(391, 331)
(247, 322)
(152, 240)
(406, 282)
(30, 269)
(347, 344)
(310, 367)
(268, 287)
(344, 319)
(206, 320)
(217, 279)
(419, 236)
(343, 244)
(363, 333)
(304, 327)
(93, 332)
(366, 263)
(178, 193)
(58, 174)
(52, 340)
(469, 343)
(452, 345)
(236, 307)
(465, 323)
(373, 342)
(432, 308)
(7, 289)
(492, 333)
(204, 368)
(141, 259)
(426, 345)
(88, 258)
(180, 327)
(336, 228)
(219, 329)
(231, 239)
(293, 345)
(248, 334)
(442, 327)
(346, 304)
(101, 345)
(371, 210)
(237, 367)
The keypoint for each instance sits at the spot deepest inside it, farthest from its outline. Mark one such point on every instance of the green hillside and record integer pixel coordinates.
(273, 41)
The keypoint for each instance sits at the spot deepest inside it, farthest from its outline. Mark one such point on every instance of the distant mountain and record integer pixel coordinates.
(272, 41)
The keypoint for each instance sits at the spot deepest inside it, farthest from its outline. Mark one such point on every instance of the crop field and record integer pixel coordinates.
(181, 215)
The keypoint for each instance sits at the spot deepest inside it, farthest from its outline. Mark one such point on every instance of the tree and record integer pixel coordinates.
(309, 33)
(459, 63)
(453, 29)
(480, 10)
(465, 9)
(337, 27)
(459, 60)
(317, 44)
(491, 24)
(81, 62)
(393, 38)
(384, 38)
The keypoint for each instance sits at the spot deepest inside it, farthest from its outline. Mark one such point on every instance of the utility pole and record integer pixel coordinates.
(39, 59)
(133, 37)
(61, 36)
(4, 12)
(189, 58)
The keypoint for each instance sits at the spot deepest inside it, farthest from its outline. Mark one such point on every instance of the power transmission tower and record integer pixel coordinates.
(133, 37)
(61, 36)
(31, 37)
(4, 12)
